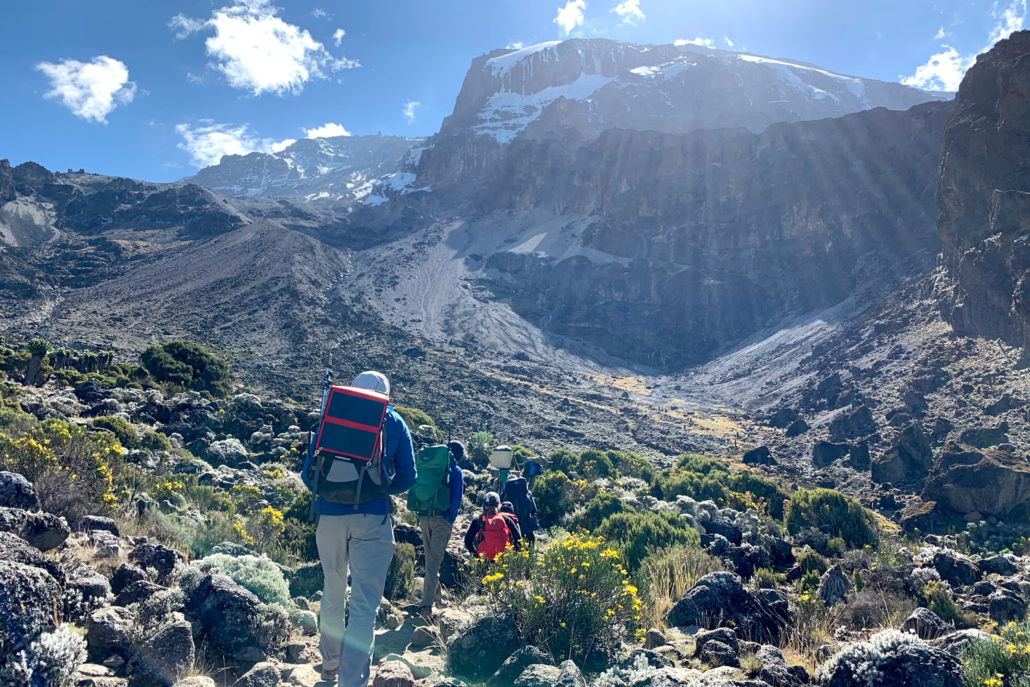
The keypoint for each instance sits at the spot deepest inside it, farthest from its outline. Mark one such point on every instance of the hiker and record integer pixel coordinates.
(356, 536)
(516, 490)
(492, 532)
(436, 498)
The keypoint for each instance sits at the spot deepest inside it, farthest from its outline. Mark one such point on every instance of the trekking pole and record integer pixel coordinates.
(450, 422)
(327, 382)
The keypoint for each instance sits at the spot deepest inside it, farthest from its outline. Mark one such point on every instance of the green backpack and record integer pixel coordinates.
(431, 493)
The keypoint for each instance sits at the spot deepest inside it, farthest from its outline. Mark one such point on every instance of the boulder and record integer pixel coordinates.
(94, 523)
(775, 671)
(17, 550)
(226, 452)
(797, 428)
(307, 579)
(45, 531)
(999, 565)
(110, 628)
(989, 481)
(859, 456)
(1005, 606)
(167, 656)
(985, 437)
(955, 643)
(126, 574)
(955, 569)
(30, 604)
(1004, 404)
(716, 654)
(853, 425)
(515, 664)
(782, 418)
(834, 586)
(231, 617)
(569, 675)
(824, 453)
(720, 598)
(539, 675)
(759, 456)
(261, 675)
(892, 659)
(136, 592)
(156, 556)
(393, 674)
(654, 639)
(478, 650)
(17, 492)
(926, 624)
(909, 459)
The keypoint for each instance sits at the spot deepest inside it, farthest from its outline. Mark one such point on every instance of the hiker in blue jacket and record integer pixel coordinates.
(359, 538)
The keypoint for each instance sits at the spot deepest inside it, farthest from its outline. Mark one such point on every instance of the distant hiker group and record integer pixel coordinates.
(361, 453)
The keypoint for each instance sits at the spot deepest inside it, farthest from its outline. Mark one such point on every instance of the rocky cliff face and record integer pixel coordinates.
(697, 241)
(984, 198)
(589, 86)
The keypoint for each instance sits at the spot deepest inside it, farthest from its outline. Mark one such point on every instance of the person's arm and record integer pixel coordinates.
(516, 533)
(403, 456)
(457, 490)
(307, 465)
(470, 536)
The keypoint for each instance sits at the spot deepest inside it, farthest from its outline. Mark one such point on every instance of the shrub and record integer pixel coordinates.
(596, 510)
(831, 512)
(188, 365)
(631, 465)
(414, 417)
(595, 464)
(556, 495)
(50, 661)
(747, 482)
(862, 661)
(764, 578)
(1004, 659)
(259, 575)
(123, 430)
(155, 441)
(572, 600)
(667, 575)
(936, 595)
(810, 561)
(400, 579)
(563, 460)
(642, 533)
(479, 446)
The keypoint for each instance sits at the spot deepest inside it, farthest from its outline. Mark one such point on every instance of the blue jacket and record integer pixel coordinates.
(398, 461)
(457, 490)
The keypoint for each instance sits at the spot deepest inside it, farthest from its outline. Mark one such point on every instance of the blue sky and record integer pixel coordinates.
(152, 89)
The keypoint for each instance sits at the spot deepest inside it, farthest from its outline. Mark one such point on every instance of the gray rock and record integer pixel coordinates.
(999, 565)
(478, 650)
(30, 603)
(720, 634)
(570, 675)
(926, 624)
(892, 660)
(160, 558)
(110, 628)
(95, 523)
(45, 531)
(17, 492)
(955, 643)
(853, 425)
(834, 586)
(717, 654)
(234, 619)
(167, 656)
(758, 456)
(307, 580)
(515, 664)
(797, 428)
(775, 671)
(539, 675)
(261, 675)
(126, 574)
(136, 592)
(654, 639)
(720, 598)
(306, 622)
(955, 569)
(393, 674)
(15, 549)
(195, 681)
(1004, 606)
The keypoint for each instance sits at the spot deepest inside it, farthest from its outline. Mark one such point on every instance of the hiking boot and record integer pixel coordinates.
(427, 613)
(327, 676)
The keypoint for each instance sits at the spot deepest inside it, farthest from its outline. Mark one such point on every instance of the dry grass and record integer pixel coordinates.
(667, 578)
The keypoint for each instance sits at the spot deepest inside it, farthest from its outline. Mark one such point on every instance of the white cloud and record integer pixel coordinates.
(319, 13)
(517, 45)
(630, 12)
(282, 145)
(91, 90)
(409, 110)
(338, 35)
(258, 51)
(941, 33)
(944, 70)
(570, 16)
(701, 42)
(207, 143)
(327, 130)
(729, 43)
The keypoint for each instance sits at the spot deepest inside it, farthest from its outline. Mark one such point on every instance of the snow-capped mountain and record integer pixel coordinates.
(336, 170)
(597, 84)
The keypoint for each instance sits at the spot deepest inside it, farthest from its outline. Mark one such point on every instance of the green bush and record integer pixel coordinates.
(1004, 659)
(747, 482)
(414, 418)
(188, 365)
(572, 600)
(936, 596)
(400, 579)
(631, 465)
(124, 430)
(596, 510)
(155, 441)
(595, 464)
(556, 495)
(642, 533)
(259, 575)
(479, 445)
(564, 461)
(808, 560)
(831, 512)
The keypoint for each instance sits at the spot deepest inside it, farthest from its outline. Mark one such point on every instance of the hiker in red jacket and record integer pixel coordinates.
(492, 531)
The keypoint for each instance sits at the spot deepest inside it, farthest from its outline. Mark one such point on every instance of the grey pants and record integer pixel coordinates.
(436, 532)
(365, 544)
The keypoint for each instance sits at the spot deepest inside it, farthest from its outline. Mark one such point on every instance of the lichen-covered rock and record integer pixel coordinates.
(17, 492)
(393, 674)
(261, 675)
(480, 648)
(156, 556)
(307, 579)
(94, 523)
(1000, 565)
(45, 531)
(138, 591)
(720, 598)
(234, 619)
(1004, 606)
(716, 654)
(955, 569)
(515, 664)
(30, 604)
(775, 671)
(834, 586)
(891, 659)
(167, 656)
(110, 628)
(17, 550)
(926, 624)
(126, 574)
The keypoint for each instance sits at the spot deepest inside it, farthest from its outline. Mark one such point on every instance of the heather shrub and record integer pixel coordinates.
(188, 365)
(830, 512)
(557, 495)
(639, 534)
(400, 578)
(810, 561)
(596, 510)
(413, 417)
(572, 599)
(259, 575)
(123, 430)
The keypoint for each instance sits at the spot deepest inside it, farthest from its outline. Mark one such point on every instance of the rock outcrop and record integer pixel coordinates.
(984, 197)
(987, 481)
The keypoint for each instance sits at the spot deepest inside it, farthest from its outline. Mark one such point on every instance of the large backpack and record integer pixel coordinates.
(516, 490)
(431, 493)
(494, 536)
(348, 446)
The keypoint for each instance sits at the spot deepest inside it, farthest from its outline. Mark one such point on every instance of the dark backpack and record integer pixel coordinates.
(516, 490)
